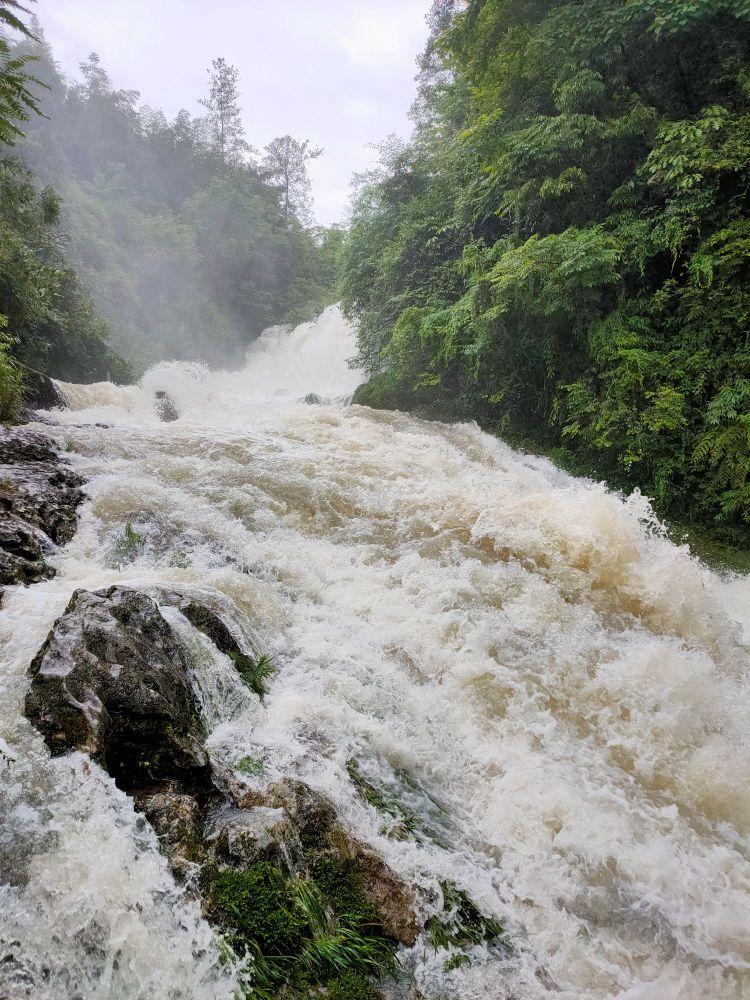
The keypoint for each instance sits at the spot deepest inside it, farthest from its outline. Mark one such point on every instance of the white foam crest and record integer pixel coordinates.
(284, 363)
(566, 687)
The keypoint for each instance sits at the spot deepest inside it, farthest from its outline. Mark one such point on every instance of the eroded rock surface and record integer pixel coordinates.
(177, 819)
(21, 553)
(111, 679)
(204, 619)
(39, 501)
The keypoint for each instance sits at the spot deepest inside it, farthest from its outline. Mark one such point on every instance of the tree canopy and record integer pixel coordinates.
(190, 248)
(562, 250)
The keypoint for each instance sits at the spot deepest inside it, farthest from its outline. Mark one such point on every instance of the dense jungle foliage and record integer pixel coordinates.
(47, 318)
(189, 244)
(563, 251)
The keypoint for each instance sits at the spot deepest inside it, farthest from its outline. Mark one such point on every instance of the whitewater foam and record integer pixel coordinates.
(565, 686)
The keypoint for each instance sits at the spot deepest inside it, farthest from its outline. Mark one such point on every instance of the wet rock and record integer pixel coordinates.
(41, 393)
(177, 819)
(166, 411)
(312, 399)
(21, 558)
(393, 900)
(39, 500)
(19, 445)
(45, 495)
(244, 836)
(111, 679)
(205, 620)
(312, 812)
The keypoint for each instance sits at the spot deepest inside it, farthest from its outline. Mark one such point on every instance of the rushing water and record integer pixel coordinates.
(563, 692)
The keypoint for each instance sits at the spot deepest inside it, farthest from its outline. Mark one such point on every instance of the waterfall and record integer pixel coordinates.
(562, 691)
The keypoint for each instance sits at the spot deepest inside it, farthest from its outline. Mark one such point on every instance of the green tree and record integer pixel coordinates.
(561, 251)
(225, 114)
(17, 100)
(285, 165)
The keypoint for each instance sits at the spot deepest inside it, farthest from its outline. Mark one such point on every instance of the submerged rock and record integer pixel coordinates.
(39, 496)
(244, 836)
(166, 411)
(312, 812)
(111, 679)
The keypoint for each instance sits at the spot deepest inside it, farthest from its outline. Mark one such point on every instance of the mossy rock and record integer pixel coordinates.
(462, 923)
(257, 903)
(351, 986)
(304, 933)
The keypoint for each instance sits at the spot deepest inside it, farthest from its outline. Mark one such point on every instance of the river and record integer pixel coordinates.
(561, 690)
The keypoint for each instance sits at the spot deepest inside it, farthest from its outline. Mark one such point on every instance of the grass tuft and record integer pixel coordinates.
(384, 801)
(254, 673)
(303, 933)
(249, 765)
(462, 923)
(127, 546)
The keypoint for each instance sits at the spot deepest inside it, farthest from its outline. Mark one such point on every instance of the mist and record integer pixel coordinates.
(190, 239)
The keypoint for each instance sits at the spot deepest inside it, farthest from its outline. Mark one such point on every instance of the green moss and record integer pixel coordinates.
(719, 554)
(258, 904)
(462, 923)
(384, 801)
(303, 933)
(351, 986)
(249, 765)
(342, 887)
(254, 673)
(380, 393)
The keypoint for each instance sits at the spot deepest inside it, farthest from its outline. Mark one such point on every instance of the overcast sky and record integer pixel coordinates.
(339, 72)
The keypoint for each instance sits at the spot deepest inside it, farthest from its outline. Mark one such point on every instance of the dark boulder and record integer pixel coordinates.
(205, 620)
(21, 558)
(111, 679)
(44, 494)
(41, 393)
(39, 501)
(19, 445)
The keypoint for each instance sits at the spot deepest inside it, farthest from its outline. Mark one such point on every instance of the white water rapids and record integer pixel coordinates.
(565, 689)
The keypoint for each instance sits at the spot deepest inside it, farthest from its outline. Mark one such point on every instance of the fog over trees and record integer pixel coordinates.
(189, 242)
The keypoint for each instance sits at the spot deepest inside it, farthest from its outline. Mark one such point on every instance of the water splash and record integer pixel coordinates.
(567, 687)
